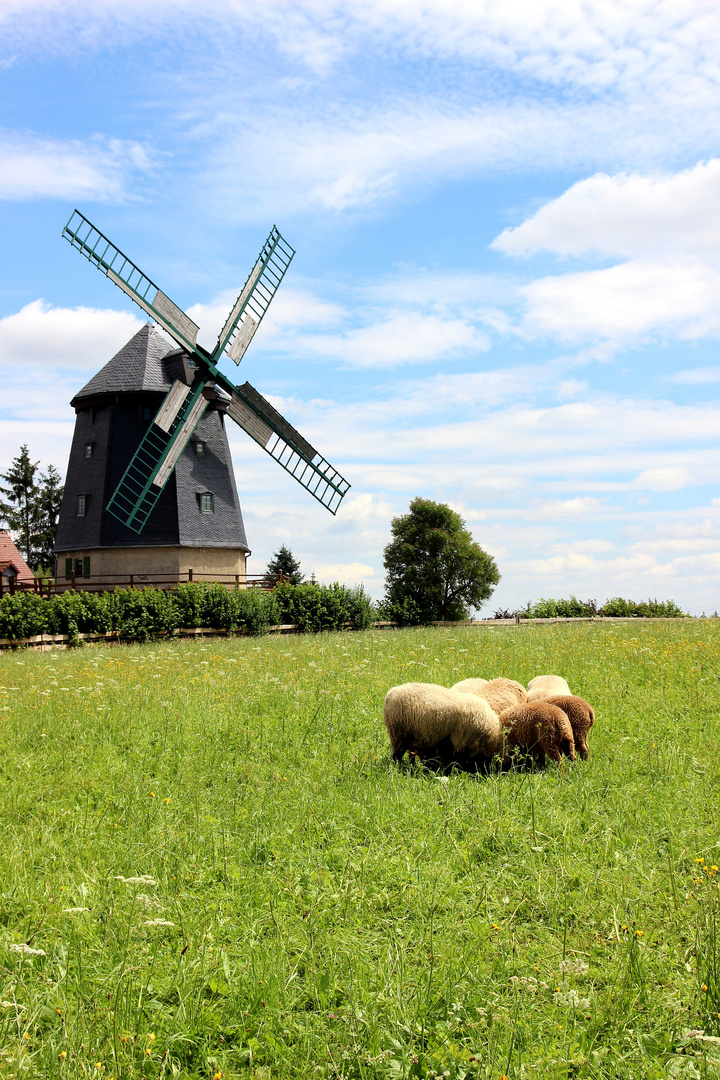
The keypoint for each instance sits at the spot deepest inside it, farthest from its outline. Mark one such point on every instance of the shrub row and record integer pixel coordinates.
(574, 608)
(140, 614)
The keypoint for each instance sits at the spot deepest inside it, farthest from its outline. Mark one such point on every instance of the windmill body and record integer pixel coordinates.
(197, 521)
(148, 411)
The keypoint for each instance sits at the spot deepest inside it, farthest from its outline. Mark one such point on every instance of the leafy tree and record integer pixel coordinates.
(30, 508)
(284, 561)
(434, 568)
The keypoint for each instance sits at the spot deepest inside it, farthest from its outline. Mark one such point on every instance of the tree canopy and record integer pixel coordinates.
(284, 561)
(30, 508)
(434, 569)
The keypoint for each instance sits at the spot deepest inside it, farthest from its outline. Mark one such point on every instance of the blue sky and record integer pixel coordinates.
(506, 293)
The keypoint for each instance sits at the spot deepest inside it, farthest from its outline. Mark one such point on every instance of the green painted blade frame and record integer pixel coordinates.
(254, 299)
(102, 253)
(152, 463)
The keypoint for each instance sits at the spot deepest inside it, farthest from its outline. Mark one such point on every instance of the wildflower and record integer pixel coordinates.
(26, 1035)
(142, 879)
(218, 1075)
(25, 950)
(75, 910)
(152, 794)
(639, 933)
(62, 1055)
(158, 922)
(704, 988)
(699, 861)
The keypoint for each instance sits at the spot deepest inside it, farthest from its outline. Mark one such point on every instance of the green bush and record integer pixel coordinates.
(142, 614)
(323, 607)
(617, 607)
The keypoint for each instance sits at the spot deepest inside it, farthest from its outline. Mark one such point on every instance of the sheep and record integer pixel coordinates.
(500, 694)
(433, 722)
(543, 687)
(540, 729)
(581, 716)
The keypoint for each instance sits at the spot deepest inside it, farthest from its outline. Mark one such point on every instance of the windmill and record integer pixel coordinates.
(158, 452)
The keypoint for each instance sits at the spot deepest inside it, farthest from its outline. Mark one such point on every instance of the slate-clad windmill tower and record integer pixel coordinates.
(150, 450)
(197, 522)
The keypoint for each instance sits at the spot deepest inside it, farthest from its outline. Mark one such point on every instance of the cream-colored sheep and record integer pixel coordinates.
(500, 694)
(543, 687)
(581, 716)
(435, 723)
(540, 730)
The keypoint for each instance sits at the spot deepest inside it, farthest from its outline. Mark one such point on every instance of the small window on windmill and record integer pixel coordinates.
(81, 505)
(200, 448)
(88, 449)
(146, 412)
(207, 502)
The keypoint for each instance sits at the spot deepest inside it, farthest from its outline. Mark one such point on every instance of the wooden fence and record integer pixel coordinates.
(76, 583)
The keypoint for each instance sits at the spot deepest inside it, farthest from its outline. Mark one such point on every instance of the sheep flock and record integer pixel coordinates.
(480, 721)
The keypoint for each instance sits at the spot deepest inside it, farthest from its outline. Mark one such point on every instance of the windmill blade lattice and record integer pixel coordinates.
(254, 299)
(155, 458)
(263, 423)
(96, 247)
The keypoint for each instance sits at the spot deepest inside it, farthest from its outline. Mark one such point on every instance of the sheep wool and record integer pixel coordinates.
(543, 687)
(540, 729)
(436, 723)
(500, 694)
(581, 716)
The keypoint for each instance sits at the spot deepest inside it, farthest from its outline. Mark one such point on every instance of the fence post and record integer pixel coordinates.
(190, 577)
(72, 579)
(2, 586)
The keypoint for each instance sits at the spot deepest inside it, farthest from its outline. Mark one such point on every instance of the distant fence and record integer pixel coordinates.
(48, 586)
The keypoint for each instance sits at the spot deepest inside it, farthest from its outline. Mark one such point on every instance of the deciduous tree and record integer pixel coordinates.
(434, 568)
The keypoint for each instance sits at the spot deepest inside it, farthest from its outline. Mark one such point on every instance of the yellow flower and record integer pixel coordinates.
(62, 1055)
(26, 1035)
(152, 794)
(704, 988)
(639, 933)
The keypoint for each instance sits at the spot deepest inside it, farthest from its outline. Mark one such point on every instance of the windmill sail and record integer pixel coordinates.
(253, 301)
(263, 423)
(96, 247)
(157, 455)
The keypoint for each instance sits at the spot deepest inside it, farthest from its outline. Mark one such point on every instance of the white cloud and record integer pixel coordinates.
(42, 337)
(629, 215)
(695, 376)
(636, 299)
(35, 168)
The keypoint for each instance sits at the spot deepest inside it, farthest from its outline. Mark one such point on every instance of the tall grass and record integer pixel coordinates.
(210, 866)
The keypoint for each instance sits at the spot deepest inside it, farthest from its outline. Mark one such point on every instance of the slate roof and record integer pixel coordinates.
(10, 556)
(142, 364)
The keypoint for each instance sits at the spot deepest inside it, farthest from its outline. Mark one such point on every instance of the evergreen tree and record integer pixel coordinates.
(20, 510)
(30, 508)
(284, 561)
(435, 570)
(51, 493)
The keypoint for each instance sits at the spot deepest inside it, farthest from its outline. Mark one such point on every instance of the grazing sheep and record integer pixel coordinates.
(500, 694)
(581, 717)
(539, 729)
(436, 723)
(543, 687)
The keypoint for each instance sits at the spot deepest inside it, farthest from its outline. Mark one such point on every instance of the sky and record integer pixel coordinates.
(506, 292)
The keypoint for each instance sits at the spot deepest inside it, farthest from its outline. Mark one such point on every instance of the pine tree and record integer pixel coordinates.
(51, 493)
(284, 561)
(21, 511)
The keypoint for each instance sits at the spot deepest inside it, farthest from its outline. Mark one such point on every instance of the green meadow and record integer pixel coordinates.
(210, 867)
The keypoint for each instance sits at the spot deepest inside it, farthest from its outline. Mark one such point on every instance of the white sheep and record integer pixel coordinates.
(543, 687)
(435, 723)
(500, 694)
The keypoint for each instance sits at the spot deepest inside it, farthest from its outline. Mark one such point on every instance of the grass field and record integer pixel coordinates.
(211, 868)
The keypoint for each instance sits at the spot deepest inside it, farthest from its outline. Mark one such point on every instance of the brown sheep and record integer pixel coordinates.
(435, 723)
(500, 694)
(539, 729)
(581, 717)
(543, 687)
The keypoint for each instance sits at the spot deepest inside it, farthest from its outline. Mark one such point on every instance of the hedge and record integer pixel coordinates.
(617, 607)
(142, 614)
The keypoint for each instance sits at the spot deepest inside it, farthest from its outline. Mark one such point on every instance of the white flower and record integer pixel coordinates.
(75, 910)
(574, 967)
(143, 879)
(25, 950)
(572, 998)
(158, 922)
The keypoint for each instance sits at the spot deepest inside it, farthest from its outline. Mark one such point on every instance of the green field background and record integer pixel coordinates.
(210, 867)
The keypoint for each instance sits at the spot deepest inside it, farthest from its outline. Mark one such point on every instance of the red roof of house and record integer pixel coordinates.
(10, 556)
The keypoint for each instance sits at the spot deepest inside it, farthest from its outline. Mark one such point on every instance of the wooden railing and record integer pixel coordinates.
(47, 586)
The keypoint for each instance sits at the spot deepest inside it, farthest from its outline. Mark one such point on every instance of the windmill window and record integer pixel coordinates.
(207, 503)
(81, 505)
(88, 449)
(146, 412)
(200, 449)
